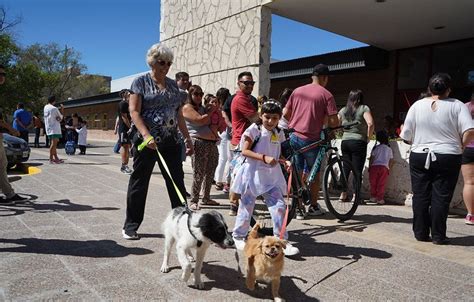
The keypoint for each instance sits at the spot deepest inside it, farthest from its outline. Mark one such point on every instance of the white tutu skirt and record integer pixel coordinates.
(258, 177)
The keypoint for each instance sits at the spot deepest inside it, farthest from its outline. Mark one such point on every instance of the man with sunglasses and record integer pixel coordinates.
(10, 196)
(243, 114)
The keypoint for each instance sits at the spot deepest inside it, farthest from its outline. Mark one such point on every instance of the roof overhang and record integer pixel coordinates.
(387, 24)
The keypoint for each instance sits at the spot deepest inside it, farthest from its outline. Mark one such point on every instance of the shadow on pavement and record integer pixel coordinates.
(55, 206)
(88, 164)
(87, 248)
(14, 178)
(373, 219)
(462, 241)
(231, 279)
(310, 248)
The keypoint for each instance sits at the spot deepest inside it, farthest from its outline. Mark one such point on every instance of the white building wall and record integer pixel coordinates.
(215, 40)
(123, 83)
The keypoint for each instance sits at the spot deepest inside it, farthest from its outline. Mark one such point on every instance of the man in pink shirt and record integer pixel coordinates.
(306, 110)
(242, 111)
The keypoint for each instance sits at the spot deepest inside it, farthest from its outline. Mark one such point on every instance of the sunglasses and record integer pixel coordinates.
(198, 93)
(163, 63)
(248, 83)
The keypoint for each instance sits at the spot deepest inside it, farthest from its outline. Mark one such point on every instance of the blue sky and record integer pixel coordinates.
(114, 35)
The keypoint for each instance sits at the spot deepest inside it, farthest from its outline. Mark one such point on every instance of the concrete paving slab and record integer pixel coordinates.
(70, 234)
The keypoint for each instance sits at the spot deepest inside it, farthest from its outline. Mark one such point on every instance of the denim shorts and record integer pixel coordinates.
(308, 157)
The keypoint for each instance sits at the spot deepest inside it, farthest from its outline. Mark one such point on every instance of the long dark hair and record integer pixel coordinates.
(191, 91)
(222, 94)
(284, 96)
(354, 100)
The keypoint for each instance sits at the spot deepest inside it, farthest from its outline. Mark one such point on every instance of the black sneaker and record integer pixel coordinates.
(17, 199)
(130, 235)
(6, 202)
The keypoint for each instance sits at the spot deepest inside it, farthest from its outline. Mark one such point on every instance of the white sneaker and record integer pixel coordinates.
(126, 170)
(239, 243)
(130, 235)
(381, 201)
(373, 199)
(290, 250)
(315, 210)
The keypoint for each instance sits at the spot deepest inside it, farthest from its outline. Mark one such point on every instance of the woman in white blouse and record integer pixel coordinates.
(438, 128)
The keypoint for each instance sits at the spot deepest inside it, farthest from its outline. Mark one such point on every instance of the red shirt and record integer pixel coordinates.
(309, 105)
(241, 110)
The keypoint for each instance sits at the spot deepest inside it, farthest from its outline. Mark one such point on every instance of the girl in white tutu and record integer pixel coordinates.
(260, 174)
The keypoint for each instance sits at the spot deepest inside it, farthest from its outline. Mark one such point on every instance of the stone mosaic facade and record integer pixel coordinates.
(215, 40)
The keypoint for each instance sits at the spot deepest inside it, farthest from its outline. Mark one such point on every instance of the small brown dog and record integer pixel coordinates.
(265, 258)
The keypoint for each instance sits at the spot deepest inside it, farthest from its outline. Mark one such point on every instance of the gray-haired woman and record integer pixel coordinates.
(156, 111)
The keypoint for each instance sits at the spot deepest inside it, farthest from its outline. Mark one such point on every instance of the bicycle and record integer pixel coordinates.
(338, 177)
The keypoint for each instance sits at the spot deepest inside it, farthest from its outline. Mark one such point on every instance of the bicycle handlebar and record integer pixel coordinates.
(346, 127)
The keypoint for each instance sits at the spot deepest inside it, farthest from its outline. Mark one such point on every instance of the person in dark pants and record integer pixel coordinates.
(21, 121)
(438, 128)
(37, 124)
(354, 140)
(156, 112)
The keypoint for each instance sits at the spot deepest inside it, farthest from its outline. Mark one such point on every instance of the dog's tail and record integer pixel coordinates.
(254, 232)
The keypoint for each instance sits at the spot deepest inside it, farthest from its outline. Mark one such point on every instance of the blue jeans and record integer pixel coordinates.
(308, 157)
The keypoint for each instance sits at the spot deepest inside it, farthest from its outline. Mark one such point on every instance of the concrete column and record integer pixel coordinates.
(215, 40)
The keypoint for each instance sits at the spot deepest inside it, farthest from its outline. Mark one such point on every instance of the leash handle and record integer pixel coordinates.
(285, 220)
(144, 143)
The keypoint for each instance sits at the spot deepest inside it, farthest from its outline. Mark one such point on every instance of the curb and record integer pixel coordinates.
(29, 170)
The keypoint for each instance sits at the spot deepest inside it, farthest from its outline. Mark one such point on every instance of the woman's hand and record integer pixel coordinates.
(189, 147)
(151, 144)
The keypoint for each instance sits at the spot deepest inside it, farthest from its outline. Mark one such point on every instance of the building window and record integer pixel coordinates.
(104, 122)
(96, 121)
(456, 59)
(413, 68)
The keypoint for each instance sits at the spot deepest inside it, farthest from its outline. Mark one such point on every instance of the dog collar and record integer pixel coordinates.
(189, 212)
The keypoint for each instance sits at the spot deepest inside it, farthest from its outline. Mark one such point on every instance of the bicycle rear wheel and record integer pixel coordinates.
(339, 177)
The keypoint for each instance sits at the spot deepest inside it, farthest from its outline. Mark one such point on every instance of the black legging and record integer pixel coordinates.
(355, 151)
(143, 164)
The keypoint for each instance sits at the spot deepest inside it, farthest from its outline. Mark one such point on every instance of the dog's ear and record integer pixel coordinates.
(283, 243)
(260, 246)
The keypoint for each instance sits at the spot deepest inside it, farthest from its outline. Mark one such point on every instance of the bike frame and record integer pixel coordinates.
(326, 148)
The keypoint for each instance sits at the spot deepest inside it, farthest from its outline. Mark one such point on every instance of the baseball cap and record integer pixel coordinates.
(320, 69)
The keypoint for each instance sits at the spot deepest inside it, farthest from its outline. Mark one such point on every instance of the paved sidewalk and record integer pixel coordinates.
(66, 244)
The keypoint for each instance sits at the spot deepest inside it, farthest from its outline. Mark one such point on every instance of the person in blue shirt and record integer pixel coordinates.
(22, 121)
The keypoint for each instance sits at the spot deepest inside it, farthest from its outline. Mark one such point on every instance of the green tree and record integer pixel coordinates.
(89, 85)
(61, 67)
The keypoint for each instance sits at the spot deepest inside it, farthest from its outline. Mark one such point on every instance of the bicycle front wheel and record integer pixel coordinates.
(340, 177)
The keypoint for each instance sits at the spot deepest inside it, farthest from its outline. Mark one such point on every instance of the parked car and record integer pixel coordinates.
(16, 149)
